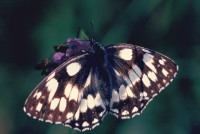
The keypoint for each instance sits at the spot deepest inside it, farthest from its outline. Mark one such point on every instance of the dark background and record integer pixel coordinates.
(29, 29)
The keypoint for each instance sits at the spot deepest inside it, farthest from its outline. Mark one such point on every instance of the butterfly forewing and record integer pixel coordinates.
(92, 106)
(120, 79)
(70, 95)
(137, 75)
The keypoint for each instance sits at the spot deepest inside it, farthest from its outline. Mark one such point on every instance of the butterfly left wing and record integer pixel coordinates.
(70, 95)
(137, 75)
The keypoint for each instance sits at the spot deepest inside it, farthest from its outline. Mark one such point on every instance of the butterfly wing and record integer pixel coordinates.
(137, 75)
(71, 95)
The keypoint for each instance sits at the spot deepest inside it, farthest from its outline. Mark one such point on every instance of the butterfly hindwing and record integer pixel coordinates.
(70, 95)
(92, 107)
(91, 80)
(137, 75)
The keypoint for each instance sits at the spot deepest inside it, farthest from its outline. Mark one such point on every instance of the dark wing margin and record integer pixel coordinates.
(70, 95)
(137, 75)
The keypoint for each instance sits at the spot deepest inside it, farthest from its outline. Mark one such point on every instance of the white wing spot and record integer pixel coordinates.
(40, 119)
(141, 94)
(88, 81)
(171, 70)
(115, 96)
(163, 59)
(95, 121)
(74, 93)
(98, 101)
(49, 121)
(116, 72)
(73, 68)
(145, 50)
(52, 87)
(125, 112)
(152, 76)
(137, 70)
(166, 84)
(34, 117)
(36, 91)
(148, 60)
(51, 76)
(52, 84)
(24, 109)
(68, 90)
(177, 67)
(54, 103)
(38, 95)
(126, 54)
(58, 122)
(39, 106)
(83, 106)
(115, 110)
(142, 104)
(77, 114)
(133, 77)
(68, 121)
(145, 94)
(28, 114)
(95, 125)
(125, 117)
(63, 104)
(129, 83)
(90, 101)
(165, 72)
(122, 92)
(154, 94)
(69, 115)
(159, 85)
(85, 124)
(135, 109)
(146, 81)
(101, 114)
(161, 62)
(84, 129)
(129, 92)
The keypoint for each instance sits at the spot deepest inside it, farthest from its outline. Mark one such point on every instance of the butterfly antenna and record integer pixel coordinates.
(92, 26)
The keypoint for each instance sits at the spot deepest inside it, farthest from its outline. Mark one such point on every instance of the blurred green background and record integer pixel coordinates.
(29, 29)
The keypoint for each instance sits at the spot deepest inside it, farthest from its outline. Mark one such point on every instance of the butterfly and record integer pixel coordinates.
(86, 80)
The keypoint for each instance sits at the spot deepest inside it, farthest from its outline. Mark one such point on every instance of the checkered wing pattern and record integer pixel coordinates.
(121, 79)
(71, 95)
(137, 75)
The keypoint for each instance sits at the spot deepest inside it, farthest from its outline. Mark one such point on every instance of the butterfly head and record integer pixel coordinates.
(77, 46)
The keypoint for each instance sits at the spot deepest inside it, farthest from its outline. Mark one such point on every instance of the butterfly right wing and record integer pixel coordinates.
(70, 95)
(137, 76)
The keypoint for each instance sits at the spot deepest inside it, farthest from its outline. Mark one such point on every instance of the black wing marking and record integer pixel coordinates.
(137, 76)
(71, 95)
(91, 116)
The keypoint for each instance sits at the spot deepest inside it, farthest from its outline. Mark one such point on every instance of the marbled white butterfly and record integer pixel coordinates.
(86, 80)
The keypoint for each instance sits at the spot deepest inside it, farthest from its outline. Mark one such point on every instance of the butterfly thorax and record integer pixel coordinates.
(98, 53)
